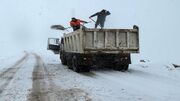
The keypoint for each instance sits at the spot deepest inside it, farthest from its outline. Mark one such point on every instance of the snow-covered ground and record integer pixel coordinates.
(144, 82)
(6, 60)
(18, 80)
(39, 76)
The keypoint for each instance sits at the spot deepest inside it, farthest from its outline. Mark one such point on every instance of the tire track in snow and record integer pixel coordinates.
(8, 74)
(44, 88)
(40, 84)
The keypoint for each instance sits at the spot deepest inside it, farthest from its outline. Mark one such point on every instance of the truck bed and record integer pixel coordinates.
(102, 40)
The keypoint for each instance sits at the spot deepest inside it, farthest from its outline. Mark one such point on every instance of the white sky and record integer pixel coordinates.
(24, 24)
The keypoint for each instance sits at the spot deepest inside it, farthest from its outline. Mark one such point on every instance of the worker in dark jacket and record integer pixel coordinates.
(101, 17)
(76, 23)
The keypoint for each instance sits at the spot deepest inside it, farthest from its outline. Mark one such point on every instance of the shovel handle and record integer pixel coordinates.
(92, 19)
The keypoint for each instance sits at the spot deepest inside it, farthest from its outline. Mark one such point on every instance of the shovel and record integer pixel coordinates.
(59, 27)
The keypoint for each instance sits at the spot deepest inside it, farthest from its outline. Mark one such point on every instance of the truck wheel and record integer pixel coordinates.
(69, 65)
(118, 67)
(86, 69)
(125, 67)
(121, 67)
(75, 65)
(69, 62)
(63, 58)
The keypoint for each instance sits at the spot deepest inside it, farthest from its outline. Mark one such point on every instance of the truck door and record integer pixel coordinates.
(53, 45)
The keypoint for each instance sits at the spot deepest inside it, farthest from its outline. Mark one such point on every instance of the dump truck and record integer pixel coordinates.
(84, 48)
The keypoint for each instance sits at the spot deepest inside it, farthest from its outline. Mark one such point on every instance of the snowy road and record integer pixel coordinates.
(41, 77)
(7, 75)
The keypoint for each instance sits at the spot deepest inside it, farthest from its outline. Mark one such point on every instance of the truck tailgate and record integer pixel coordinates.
(112, 40)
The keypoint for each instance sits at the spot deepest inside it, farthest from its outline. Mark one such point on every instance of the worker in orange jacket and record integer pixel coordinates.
(76, 23)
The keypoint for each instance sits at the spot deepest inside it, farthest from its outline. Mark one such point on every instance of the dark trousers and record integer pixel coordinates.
(101, 23)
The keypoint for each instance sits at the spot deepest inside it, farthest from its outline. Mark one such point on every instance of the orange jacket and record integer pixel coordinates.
(76, 23)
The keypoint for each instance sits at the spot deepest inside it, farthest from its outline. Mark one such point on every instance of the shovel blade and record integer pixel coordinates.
(58, 27)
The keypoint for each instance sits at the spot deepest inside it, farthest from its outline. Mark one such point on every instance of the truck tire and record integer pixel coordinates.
(69, 65)
(124, 64)
(63, 59)
(118, 67)
(86, 69)
(69, 61)
(75, 65)
(121, 67)
(78, 68)
(125, 67)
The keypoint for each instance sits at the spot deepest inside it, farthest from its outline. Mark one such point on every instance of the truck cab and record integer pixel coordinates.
(54, 45)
